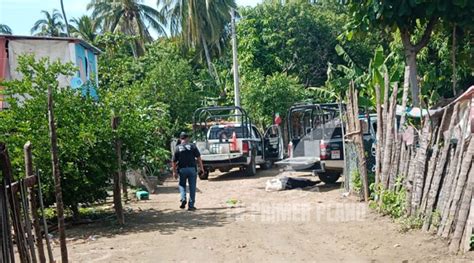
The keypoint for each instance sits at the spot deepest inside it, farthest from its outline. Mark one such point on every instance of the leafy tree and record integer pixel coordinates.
(295, 38)
(130, 17)
(85, 152)
(52, 25)
(199, 24)
(85, 28)
(415, 21)
(263, 97)
(4, 29)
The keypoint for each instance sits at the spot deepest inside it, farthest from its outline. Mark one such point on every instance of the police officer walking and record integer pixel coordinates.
(184, 165)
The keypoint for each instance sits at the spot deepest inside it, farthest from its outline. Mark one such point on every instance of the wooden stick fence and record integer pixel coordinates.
(433, 160)
(19, 212)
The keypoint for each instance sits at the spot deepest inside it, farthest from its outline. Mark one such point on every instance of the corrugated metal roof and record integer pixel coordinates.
(69, 39)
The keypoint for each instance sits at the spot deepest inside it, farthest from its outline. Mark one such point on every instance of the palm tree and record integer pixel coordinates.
(65, 18)
(130, 17)
(4, 29)
(84, 27)
(199, 24)
(52, 25)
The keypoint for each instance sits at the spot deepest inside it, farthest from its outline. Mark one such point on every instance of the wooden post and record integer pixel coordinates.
(26, 216)
(420, 166)
(117, 192)
(432, 163)
(357, 135)
(379, 135)
(463, 214)
(33, 202)
(459, 187)
(454, 175)
(406, 82)
(57, 176)
(45, 225)
(389, 133)
(440, 168)
(5, 167)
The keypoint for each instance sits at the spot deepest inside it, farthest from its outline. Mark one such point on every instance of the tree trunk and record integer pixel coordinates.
(65, 18)
(57, 177)
(235, 62)
(410, 57)
(411, 50)
(117, 193)
(453, 59)
(123, 177)
(207, 54)
(33, 203)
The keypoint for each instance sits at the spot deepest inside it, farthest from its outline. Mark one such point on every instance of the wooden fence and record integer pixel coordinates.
(20, 223)
(431, 158)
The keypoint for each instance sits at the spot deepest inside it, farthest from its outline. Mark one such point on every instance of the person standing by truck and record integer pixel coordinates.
(184, 166)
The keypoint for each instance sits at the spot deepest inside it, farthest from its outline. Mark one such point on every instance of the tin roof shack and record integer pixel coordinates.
(64, 49)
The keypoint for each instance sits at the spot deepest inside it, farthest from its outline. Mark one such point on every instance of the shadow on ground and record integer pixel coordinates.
(165, 221)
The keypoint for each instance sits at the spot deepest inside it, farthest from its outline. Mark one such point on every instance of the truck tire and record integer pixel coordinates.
(204, 175)
(251, 169)
(329, 177)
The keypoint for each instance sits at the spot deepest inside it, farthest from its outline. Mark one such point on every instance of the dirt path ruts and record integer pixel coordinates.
(318, 224)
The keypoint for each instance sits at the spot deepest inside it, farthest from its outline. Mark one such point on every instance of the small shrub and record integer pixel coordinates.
(357, 182)
(409, 223)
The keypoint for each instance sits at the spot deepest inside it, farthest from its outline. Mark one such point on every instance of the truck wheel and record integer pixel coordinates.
(204, 175)
(266, 165)
(251, 169)
(329, 177)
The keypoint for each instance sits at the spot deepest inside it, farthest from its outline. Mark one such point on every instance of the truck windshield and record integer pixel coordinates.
(223, 133)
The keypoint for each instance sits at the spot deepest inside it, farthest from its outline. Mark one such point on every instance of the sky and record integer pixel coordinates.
(20, 15)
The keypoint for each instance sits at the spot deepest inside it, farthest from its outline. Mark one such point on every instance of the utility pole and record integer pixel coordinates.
(235, 61)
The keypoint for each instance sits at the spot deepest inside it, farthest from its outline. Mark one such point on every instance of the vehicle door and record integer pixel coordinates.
(273, 143)
(258, 143)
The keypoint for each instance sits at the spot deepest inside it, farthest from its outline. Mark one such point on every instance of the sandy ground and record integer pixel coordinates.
(318, 224)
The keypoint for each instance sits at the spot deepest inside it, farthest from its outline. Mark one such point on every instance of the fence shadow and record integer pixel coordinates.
(165, 221)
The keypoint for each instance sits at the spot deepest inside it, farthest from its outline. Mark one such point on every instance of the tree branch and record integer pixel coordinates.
(426, 35)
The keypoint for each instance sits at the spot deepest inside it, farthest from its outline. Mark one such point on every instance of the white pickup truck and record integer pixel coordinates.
(225, 143)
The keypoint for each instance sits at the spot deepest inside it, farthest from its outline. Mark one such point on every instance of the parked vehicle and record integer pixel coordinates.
(227, 139)
(316, 139)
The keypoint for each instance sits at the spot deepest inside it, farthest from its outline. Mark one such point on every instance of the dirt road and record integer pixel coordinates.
(317, 224)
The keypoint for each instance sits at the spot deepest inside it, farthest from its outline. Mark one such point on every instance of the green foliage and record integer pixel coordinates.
(51, 25)
(408, 14)
(262, 96)
(357, 182)
(389, 202)
(4, 29)
(294, 38)
(85, 152)
(130, 17)
(410, 223)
